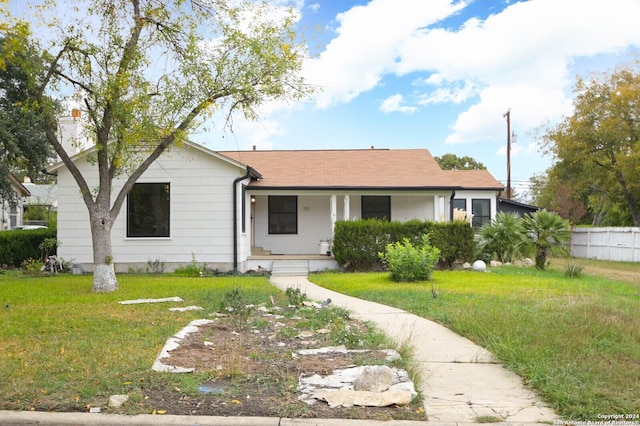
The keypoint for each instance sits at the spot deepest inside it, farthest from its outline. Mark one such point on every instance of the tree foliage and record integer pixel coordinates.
(147, 72)
(24, 149)
(453, 162)
(597, 149)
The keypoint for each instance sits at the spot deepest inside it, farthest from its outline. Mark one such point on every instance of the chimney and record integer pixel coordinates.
(70, 133)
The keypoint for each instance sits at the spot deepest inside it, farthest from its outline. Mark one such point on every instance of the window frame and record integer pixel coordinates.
(478, 219)
(131, 214)
(280, 201)
(380, 214)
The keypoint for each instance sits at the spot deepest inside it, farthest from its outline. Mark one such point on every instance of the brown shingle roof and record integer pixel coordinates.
(368, 168)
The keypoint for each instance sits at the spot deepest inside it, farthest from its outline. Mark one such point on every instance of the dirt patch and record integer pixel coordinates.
(254, 372)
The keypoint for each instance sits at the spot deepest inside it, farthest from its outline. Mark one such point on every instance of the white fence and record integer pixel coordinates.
(620, 244)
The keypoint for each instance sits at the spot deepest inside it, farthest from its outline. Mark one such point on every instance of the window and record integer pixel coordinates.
(481, 210)
(283, 214)
(376, 207)
(13, 216)
(460, 204)
(148, 210)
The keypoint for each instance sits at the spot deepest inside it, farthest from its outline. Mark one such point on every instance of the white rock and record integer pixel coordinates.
(374, 378)
(479, 266)
(116, 401)
(349, 398)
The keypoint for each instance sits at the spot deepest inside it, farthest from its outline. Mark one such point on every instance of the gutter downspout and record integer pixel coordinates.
(453, 194)
(236, 181)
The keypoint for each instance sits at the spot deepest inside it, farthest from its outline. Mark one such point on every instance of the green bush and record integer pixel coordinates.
(407, 262)
(21, 245)
(356, 244)
(502, 238)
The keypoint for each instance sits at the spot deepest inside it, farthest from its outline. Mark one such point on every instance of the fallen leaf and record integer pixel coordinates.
(162, 411)
(235, 401)
(62, 350)
(127, 383)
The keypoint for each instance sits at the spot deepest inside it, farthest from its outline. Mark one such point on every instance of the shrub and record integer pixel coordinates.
(234, 305)
(573, 270)
(18, 246)
(406, 262)
(502, 238)
(356, 244)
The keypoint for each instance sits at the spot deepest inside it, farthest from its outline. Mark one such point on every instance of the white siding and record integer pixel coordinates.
(478, 195)
(201, 218)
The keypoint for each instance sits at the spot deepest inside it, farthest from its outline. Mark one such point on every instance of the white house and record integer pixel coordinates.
(237, 210)
(11, 213)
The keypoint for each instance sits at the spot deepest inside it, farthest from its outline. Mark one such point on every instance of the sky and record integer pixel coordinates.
(440, 75)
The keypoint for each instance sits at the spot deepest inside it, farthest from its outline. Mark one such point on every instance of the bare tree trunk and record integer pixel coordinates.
(104, 276)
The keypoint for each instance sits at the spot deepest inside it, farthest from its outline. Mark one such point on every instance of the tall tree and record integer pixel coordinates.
(453, 162)
(24, 148)
(147, 72)
(598, 147)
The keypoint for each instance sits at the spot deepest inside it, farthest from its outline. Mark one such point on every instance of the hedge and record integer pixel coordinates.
(20, 245)
(356, 244)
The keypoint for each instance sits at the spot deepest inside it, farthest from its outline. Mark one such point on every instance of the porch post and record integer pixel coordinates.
(334, 213)
(346, 207)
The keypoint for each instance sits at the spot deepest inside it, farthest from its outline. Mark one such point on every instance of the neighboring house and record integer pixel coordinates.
(238, 210)
(44, 196)
(11, 213)
(506, 205)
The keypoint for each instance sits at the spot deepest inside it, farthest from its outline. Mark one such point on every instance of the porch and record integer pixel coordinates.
(299, 222)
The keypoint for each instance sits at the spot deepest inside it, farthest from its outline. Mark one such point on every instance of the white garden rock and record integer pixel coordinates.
(479, 266)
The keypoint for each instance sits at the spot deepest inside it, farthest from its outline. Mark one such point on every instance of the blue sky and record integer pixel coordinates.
(440, 74)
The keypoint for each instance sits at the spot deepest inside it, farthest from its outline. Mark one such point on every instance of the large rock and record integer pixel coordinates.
(479, 266)
(349, 398)
(374, 378)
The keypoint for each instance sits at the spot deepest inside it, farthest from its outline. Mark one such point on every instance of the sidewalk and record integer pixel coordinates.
(460, 381)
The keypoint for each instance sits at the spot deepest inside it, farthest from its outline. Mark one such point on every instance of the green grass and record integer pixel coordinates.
(63, 347)
(575, 341)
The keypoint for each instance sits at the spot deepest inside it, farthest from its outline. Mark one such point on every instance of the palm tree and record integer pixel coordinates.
(548, 232)
(503, 237)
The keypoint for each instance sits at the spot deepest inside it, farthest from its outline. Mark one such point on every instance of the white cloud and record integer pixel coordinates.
(518, 58)
(367, 46)
(393, 104)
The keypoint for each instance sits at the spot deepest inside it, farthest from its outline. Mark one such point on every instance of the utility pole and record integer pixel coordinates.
(508, 117)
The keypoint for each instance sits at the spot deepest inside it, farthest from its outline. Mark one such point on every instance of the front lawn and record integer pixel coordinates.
(65, 348)
(574, 340)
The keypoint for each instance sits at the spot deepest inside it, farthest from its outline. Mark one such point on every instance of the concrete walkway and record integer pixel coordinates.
(460, 381)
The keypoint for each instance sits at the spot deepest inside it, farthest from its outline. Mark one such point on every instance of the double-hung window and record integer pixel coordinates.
(283, 214)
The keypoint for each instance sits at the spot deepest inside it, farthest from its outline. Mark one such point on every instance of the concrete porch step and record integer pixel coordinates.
(289, 267)
(259, 251)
